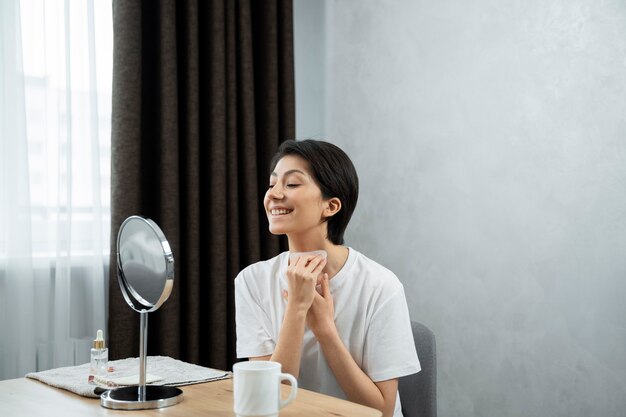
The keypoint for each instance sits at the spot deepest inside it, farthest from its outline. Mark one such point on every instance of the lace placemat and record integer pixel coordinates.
(170, 372)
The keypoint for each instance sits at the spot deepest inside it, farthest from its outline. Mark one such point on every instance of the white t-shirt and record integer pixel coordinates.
(371, 316)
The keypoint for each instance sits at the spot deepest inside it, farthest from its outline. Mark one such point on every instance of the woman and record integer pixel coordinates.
(333, 318)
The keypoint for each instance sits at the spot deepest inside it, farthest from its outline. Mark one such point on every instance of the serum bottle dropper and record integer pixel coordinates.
(99, 356)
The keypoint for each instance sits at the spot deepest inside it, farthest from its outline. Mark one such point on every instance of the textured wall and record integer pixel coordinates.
(490, 138)
(310, 60)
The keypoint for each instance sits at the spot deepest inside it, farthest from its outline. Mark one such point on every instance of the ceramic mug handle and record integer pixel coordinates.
(294, 388)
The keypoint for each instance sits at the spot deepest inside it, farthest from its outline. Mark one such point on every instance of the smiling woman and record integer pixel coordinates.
(328, 314)
(54, 181)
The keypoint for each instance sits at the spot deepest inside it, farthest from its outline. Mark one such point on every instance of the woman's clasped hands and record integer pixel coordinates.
(309, 291)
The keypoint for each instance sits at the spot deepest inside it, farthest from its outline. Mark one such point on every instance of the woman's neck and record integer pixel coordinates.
(337, 254)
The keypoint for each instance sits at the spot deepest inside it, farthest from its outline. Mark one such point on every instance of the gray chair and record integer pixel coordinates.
(418, 392)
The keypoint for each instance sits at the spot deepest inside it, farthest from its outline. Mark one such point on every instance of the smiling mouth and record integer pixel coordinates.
(279, 212)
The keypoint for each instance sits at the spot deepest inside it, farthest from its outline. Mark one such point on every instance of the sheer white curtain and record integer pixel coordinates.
(54, 180)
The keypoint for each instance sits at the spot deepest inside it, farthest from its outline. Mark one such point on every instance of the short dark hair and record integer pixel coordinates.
(333, 172)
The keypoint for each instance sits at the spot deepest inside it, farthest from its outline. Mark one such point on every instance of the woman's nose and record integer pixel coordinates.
(275, 192)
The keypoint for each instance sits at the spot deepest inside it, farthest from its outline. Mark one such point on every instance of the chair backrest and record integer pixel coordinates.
(418, 392)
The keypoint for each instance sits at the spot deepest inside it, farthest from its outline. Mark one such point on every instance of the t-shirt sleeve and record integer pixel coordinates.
(389, 350)
(253, 339)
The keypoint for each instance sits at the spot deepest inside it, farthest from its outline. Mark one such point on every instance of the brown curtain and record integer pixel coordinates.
(203, 93)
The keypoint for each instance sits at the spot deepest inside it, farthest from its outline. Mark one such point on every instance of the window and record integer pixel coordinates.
(54, 180)
(67, 63)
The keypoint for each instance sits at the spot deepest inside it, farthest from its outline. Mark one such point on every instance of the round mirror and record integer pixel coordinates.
(145, 263)
(145, 267)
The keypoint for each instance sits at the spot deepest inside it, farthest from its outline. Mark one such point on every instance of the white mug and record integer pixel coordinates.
(257, 388)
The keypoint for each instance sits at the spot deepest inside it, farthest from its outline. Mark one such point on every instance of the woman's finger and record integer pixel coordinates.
(304, 260)
(317, 265)
(325, 287)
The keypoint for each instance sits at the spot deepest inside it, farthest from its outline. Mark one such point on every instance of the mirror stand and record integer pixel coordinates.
(143, 357)
(141, 397)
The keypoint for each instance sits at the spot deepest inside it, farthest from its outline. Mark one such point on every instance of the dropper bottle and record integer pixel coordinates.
(99, 356)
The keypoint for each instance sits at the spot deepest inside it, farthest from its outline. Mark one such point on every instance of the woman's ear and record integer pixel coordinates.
(333, 206)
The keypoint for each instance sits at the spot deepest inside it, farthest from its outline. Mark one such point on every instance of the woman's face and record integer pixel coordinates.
(293, 202)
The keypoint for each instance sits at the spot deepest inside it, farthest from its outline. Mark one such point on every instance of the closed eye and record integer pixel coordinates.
(286, 185)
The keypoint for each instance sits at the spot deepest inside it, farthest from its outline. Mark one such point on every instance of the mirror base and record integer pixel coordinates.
(127, 398)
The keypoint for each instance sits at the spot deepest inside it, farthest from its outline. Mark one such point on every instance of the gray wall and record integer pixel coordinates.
(490, 140)
(310, 60)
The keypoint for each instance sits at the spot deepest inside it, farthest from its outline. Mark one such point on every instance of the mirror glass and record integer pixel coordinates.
(146, 264)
